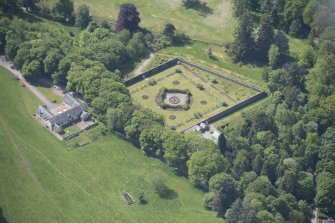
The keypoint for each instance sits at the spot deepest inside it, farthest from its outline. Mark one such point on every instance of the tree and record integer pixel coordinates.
(246, 179)
(51, 61)
(195, 142)
(225, 191)
(241, 7)
(293, 17)
(321, 80)
(261, 185)
(273, 56)
(141, 119)
(83, 17)
(240, 212)
(63, 10)
(118, 117)
(151, 141)
(265, 217)
(31, 69)
(264, 38)
(281, 41)
(204, 164)
(242, 49)
(191, 3)
(241, 163)
(169, 30)
(8, 6)
(175, 149)
(128, 18)
(3, 32)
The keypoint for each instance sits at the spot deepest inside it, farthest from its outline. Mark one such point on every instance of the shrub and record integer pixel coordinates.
(214, 81)
(178, 70)
(197, 115)
(152, 82)
(191, 3)
(200, 86)
(224, 104)
(141, 197)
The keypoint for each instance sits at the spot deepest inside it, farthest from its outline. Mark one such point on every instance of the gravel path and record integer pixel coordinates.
(139, 70)
(32, 88)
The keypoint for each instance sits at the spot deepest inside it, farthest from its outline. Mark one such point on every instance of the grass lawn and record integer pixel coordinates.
(70, 130)
(263, 104)
(196, 52)
(47, 91)
(41, 181)
(185, 119)
(155, 14)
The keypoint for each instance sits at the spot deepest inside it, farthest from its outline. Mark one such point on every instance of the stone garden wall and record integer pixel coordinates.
(151, 72)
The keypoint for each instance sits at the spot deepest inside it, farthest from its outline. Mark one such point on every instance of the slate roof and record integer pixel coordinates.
(74, 113)
(43, 112)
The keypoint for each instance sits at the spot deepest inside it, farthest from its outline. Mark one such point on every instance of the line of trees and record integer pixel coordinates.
(281, 157)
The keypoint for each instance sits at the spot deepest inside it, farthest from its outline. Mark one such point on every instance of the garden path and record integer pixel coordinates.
(139, 70)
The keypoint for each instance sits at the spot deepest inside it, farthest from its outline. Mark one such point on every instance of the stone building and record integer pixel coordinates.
(70, 111)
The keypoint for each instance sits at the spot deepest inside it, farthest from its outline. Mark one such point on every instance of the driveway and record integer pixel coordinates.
(6, 64)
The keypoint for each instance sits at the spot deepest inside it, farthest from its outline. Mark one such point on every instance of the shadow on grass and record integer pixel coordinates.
(28, 17)
(2, 218)
(167, 193)
(202, 7)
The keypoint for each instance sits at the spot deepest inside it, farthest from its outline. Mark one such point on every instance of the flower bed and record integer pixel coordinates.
(160, 99)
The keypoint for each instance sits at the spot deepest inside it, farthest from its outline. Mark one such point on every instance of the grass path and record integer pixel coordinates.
(139, 70)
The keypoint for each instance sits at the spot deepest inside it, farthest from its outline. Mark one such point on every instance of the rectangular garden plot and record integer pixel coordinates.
(186, 94)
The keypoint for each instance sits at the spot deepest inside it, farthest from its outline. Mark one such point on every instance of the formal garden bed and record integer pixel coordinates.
(174, 99)
(186, 95)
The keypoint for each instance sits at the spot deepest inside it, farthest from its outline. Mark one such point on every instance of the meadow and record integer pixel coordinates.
(212, 31)
(42, 181)
(145, 94)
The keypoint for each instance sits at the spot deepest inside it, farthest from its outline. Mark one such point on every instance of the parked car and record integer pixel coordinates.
(13, 67)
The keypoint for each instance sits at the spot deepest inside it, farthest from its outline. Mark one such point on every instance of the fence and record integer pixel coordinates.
(151, 72)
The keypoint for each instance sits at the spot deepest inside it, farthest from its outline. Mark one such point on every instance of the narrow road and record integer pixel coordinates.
(139, 70)
(6, 64)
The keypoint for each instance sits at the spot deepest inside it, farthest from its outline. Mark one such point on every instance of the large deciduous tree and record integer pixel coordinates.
(63, 10)
(204, 164)
(325, 192)
(128, 18)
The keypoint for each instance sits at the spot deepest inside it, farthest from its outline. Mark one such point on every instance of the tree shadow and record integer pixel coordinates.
(2, 218)
(168, 194)
(28, 17)
(204, 9)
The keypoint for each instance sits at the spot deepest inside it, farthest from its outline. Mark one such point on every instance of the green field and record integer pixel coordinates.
(232, 94)
(41, 181)
(155, 14)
